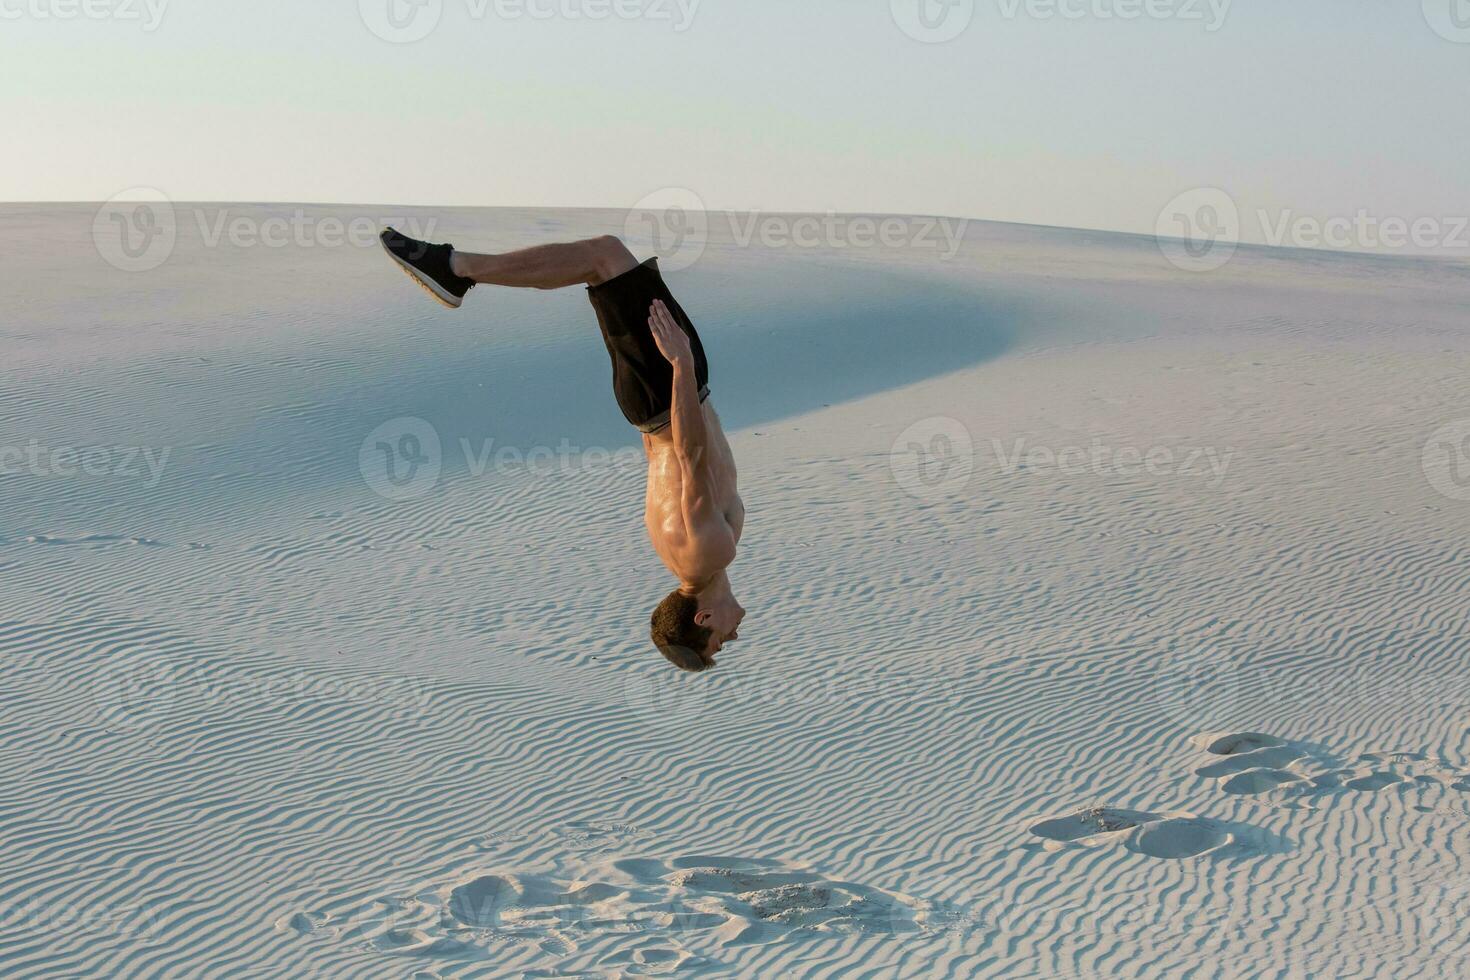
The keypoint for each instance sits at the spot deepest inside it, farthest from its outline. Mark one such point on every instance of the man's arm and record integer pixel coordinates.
(687, 420)
(685, 413)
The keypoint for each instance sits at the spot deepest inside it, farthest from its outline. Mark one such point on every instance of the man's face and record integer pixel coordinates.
(723, 621)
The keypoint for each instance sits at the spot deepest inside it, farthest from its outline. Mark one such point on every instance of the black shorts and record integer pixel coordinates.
(643, 380)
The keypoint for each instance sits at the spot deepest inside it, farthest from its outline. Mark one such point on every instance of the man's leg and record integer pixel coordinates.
(589, 262)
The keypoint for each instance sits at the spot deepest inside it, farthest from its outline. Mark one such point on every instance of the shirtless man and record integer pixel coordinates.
(661, 381)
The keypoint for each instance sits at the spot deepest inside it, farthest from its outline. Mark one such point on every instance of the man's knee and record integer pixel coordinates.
(610, 257)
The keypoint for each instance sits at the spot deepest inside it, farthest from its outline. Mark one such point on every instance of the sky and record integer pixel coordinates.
(1061, 112)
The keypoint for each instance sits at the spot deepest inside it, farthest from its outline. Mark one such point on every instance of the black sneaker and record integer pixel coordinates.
(428, 265)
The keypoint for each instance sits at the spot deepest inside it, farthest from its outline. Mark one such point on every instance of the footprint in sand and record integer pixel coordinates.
(1091, 823)
(1168, 836)
(648, 960)
(1254, 781)
(602, 835)
(1241, 742)
(303, 923)
(1251, 764)
(767, 902)
(1256, 764)
(1374, 781)
(1180, 837)
(635, 915)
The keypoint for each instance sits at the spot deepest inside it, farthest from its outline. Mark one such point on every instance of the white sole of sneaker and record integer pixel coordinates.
(430, 286)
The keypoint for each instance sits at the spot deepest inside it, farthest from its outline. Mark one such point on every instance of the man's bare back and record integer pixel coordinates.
(664, 504)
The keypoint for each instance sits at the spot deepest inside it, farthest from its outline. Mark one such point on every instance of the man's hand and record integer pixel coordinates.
(673, 342)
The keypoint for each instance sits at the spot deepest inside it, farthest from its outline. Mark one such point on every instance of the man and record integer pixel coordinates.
(661, 380)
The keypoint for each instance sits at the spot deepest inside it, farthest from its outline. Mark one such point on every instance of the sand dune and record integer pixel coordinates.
(1010, 701)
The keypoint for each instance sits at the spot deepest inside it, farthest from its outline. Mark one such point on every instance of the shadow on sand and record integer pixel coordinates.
(781, 343)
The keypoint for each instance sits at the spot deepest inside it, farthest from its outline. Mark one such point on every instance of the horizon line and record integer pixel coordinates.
(1145, 236)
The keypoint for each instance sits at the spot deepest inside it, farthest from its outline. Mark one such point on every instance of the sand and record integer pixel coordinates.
(1106, 619)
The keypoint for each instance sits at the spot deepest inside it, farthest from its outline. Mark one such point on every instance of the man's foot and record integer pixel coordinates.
(428, 265)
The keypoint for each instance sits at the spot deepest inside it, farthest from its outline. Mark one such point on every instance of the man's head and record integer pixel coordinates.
(690, 629)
